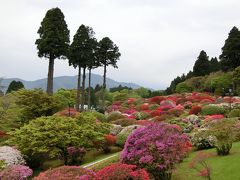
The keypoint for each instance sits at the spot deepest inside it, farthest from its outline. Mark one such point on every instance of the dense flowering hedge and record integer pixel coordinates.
(157, 148)
(16, 172)
(11, 156)
(121, 172)
(66, 173)
(195, 110)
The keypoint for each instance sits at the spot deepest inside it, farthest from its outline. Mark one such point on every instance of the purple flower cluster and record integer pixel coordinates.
(75, 150)
(19, 172)
(156, 147)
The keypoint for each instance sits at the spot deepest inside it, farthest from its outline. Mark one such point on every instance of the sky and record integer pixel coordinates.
(158, 39)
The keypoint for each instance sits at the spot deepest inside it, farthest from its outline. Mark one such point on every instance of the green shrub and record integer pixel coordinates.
(99, 116)
(142, 115)
(212, 109)
(2, 164)
(234, 113)
(183, 88)
(113, 116)
(125, 122)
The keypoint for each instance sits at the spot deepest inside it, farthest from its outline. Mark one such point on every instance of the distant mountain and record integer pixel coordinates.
(68, 82)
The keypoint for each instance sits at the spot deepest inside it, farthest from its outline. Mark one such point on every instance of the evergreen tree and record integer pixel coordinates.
(81, 55)
(214, 65)
(53, 41)
(230, 57)
(201, 66)
(108, 54)
(14, 86)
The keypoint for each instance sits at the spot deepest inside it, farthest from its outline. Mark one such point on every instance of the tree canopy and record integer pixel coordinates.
(14, 86)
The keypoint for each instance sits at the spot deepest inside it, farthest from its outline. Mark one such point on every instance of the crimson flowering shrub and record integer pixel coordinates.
(66, 173)
(156, 99)
(157, 147)
(175, 111)
(16, 172)
(76, 155)
(108, 141)
(195, 110)
(122, 171)
(213, 117)
(155, 113)
(144, 106)
(68, 112)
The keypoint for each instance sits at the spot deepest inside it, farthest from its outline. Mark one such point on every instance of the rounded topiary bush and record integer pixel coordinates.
(212, 109)
(234, 113)
(157, 148)
(122, 171)
(115, 115)
(125, 122)
(66, 173)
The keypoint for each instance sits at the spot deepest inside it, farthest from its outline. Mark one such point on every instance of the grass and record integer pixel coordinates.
(223, 167)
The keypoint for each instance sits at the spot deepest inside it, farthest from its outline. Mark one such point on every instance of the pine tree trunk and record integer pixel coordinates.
(78, 88)
(83, 89)
(50, 75)
(104, 86)
(89, 89)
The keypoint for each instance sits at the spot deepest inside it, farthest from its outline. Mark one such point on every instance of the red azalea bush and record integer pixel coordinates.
(109, 140)
(156, 99)
(155, 113)
(175, 111)
(68, 112)
(213, 117)
(195, 110)
(122, 171)
(144, 106)
(66, 173)
(16, 172)
(2, 134)
(143, 122)
(157, 147)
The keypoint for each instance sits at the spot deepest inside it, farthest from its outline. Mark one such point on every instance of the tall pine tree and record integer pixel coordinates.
(201, 66)
(214, 65)
(81, 55)
(53, 41)
(230, 57)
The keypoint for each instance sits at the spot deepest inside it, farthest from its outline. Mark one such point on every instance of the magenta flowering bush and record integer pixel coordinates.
(76, 155)
(157, 148)
(18, 172)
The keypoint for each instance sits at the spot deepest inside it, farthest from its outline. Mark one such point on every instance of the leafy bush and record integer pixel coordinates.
(76, 155)
(122, 171)
(99, 116)
(18, 172)
(202, 140)
(195, 110)
(234, 113)
(108, 141)
(183, 88)
(223, 130)
(157, 148)
(123, 135)
(125, 122)
(2, 164)
(141, 115)
(11, 156)
(113, 116)
(115, 129)
(212, 109)
(66, 173)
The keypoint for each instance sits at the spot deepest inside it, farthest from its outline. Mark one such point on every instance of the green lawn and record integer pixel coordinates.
(223, 168)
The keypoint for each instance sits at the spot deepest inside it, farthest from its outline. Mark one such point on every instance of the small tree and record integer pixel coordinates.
(14, 86)
(108, 54)
(53, 41)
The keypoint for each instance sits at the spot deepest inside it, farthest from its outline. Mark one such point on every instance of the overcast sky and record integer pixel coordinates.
(158, 39)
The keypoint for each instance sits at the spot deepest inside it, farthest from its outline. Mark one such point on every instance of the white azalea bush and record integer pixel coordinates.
(202, 139)
(10, 156)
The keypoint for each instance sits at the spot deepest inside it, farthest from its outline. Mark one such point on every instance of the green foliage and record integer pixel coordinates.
(123, 135)
(223, 81)
(201, 66)
(2, 164)
(14, 86)
(214, 65)
(196, 83)
(143, 115)
(125, 122)
(54, 35)
(119, 88)
(98, 116)
(212, 109)
(223, 130)
(234, 113)
(143, 92)
(66, 97)
(114, 115)
(230, 57)
(53, 135)
(36, 103)
(183, 88)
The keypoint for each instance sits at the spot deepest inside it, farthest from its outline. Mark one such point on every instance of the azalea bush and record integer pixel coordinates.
(11, 156)
(212, 109)
(18, 172)
(223, 130)
(202, 139)
(113, 116)
(157, 147)
(195, 110)
(123, 135)
(234, 113)
(125, 122)
(109, 140)
(66, 173)
(76, 155)
(122, 171)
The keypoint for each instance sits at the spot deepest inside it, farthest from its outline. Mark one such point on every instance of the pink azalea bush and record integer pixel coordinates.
(121, 172)
(16, 172)
(157, 147)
